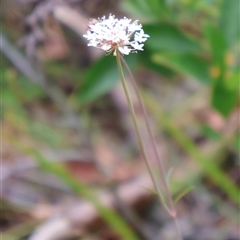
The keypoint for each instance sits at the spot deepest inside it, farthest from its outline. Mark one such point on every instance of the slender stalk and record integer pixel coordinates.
(172, 211)
(147, 162)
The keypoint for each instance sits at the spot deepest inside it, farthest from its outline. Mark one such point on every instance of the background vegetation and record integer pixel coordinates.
(67, 136)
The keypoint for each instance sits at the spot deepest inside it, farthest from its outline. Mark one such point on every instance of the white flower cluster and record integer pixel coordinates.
(112, 34)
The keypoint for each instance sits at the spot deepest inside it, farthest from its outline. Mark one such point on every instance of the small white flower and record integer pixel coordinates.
(137, 46)
(140, 36)
(124, 50)
(114, 34)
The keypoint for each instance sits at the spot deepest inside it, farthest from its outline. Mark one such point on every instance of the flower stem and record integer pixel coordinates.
(147, 162)
(172, 210)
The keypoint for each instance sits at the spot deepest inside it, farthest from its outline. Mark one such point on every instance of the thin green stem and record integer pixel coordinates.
(161, 167)
(172, 211)
(147, 162)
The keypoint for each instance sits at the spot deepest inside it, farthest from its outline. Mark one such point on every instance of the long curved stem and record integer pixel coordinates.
(172, 212)
(147, 162)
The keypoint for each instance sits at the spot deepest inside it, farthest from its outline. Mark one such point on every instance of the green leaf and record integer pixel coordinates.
(147, 61)
(45, 133)
(182, 194)
(139, 9)
(149, 10)
(102, 77)
(186, 64)
(232, 83)
(166, 37)
(19, 87)
(229, 21)
(217, 44)
(151, 191)
(158, 7)
(224, 99)
(210, 133)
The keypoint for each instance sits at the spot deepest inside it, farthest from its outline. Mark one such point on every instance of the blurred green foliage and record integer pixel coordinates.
(205, 51)
(187, 38)
(211, 168)
(112, 218)
(208, 55)
(101, 78)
